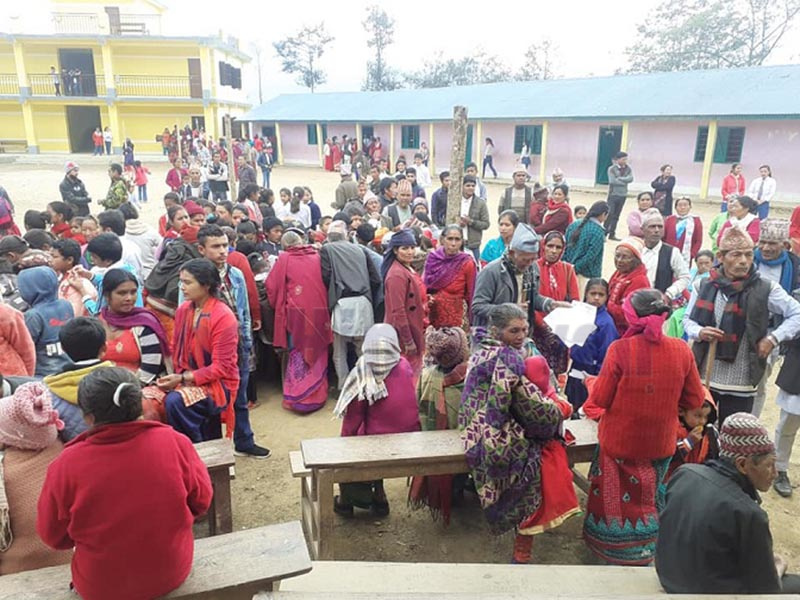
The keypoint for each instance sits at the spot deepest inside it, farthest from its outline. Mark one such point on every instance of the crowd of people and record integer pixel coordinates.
(123, 338)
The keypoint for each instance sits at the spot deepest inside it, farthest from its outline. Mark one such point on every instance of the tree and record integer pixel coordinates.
(300, 54)
(441, 72)
(710, 34)
(380, 34)
(539, 59)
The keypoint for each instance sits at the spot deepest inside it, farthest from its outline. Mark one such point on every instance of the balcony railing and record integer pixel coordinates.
(78, 23)
(94, 23)
(159, 85)
(9, 84)
(64, 84)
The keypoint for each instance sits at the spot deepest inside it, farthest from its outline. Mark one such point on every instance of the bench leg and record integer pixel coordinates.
(580, 481)
(221, 504)
(325, 514)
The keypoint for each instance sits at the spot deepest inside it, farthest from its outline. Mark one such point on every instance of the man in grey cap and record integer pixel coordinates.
(73, 191)
(347, 189)
(514, 277)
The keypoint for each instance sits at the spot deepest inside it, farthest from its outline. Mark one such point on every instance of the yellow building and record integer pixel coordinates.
(92, 64)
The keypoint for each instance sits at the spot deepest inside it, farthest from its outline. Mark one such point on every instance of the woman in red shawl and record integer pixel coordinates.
(405, 299)
(557, 280)
(327, 151)
(631, 275)
(450, 280)
(302, 323)
(336, 154)
(205, 355)
(558, 215)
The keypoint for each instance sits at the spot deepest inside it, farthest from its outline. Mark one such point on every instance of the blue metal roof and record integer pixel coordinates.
(748, 92)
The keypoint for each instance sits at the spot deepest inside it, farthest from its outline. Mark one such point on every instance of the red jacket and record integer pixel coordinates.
(125, 496)
(732, 185)
(671, 237)
(239, 260)
(175, 178)
(641, 392)
(405, 308)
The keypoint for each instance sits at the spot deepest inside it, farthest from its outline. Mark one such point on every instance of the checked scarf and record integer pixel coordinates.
(733, 320)
(381, 353)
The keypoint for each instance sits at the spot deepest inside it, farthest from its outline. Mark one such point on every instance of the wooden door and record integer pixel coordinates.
(195, 78)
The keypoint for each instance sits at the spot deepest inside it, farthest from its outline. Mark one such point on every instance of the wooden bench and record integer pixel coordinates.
(421, 581)
(7, 144)
(234, 566)
(218, 458)
(326, 461)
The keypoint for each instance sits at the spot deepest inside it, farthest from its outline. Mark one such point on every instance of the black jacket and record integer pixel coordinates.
(73, 191)
(713, 536)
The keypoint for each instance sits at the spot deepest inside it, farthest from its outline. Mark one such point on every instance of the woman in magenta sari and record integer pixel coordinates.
(302, 323)
(450, 280)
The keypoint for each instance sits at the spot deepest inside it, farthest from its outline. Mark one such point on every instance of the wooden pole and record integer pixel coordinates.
(457, 157)
(710, 358)
(228, 126)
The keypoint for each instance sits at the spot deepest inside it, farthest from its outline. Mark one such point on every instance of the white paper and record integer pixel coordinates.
(573, 325)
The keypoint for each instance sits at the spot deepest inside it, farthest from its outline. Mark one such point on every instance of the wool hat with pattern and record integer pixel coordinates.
(27, 419)
(743, 435)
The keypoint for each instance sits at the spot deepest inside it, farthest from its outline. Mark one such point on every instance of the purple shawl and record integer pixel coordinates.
(138, 317)
(441, 269)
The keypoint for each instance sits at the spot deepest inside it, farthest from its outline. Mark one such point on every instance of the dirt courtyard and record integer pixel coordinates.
(264, 491)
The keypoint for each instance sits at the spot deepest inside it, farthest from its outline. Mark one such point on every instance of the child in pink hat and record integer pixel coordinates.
(29, 432)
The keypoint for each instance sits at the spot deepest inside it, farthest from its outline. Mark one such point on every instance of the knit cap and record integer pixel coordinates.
(525, 239)
(447, 346)
(633, 244)
(27, 419)
(70, 165)
(774, 230)
(652, 215)
(735, 239)
(743, 435)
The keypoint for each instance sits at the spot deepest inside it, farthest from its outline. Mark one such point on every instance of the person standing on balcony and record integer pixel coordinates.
(107, 139)
(77, 83)
(56, 79)
(66, 79)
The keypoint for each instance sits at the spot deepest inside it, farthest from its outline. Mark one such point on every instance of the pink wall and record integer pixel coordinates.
(651, 144)
(296, 149)
(776, 143)
(572, 146)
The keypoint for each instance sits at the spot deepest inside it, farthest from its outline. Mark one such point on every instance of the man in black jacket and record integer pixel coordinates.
(73, 192)
(714, 538)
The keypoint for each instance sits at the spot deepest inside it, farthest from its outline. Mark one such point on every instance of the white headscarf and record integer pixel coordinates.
(381, 353)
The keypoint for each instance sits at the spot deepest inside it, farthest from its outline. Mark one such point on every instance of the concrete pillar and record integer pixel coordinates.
(22, 72)
(543, 155)
(320, 142)
(116, 130)
(359, 136)
(108, 70)
(623, 144)
(207, 73)
(210, 114)
(708, 161)
(30, 131)
(477, 146)
(431, 162)
(279, 142)
(390, 154)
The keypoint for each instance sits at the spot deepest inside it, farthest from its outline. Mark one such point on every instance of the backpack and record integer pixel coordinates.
(162, 283)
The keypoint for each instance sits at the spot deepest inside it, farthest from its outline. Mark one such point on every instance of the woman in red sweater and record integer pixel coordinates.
(558, 215)
(377, 397)
(205, 357)
(684, 230)
(641, 393)
(124, 495)
(631, 275)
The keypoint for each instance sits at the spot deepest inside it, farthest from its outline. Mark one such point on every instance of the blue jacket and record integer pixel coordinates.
(38, 286)
(94, 306)
(589, 357)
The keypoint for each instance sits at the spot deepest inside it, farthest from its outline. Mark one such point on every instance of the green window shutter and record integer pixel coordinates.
(700, 144)
(311, 134)
(721, 147)
(519, 135)
(536, 136)
(733, 153)
(409, 136)
(324, 133)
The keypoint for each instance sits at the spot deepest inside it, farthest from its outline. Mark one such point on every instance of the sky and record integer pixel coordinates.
(591, 36)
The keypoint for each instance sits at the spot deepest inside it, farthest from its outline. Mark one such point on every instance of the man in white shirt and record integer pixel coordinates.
(666, 269)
